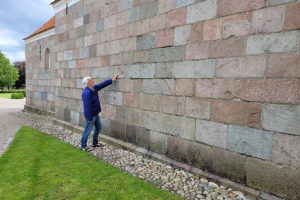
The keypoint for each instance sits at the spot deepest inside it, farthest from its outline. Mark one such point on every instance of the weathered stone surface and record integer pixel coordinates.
(137, 85)
(137, 117)
(249, 66)
(74, 117)
(150, 102)
(163, 70)
(131, 134)
(143, 138)
(279, 180)
(185, 87)
(197, 33)
(131, 100)
(122, 114)
(229, 164)
(165, 6)
(132, 15)
(182, 3)
(198, 155)
(195, 69)
(270, 90)
(237, 25)
(176, 18)
(211, 133)
(145, 42)
(176, 148)
(100, 25)
(158, 142)
(197, 51)
(273, 43)
(291, 22)
(158, 22)
(164, 38)
(68, 55)
(172, 105)
(267, 20)
(67, 115)
(126, 4)
(86, 19)
(80, 12)
(105, 126)
(197, 108)
(148, 10)
(140, 56)
(159, 86)
(216, 88)
(167, 54)
(139, 2)
(84, 52)
(286, 150)
(202, 11)
(276, 2)
(281, 118)
(116, 98)
(228, 7)
(227, 48)
(174, 125)
(78, 22)
(118, 130)
(182, 35)
(125, 85)
(238, 113)
(140, 71)
(252, 142)
(284, 65)
(212, 30)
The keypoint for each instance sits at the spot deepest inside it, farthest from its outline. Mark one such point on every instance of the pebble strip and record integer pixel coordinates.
(163, 176)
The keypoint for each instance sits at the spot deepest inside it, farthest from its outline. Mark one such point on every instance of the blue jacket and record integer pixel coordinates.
(91, 103)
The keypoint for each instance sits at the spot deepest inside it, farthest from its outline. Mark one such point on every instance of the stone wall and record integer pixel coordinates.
(213, 83)
(40, 81)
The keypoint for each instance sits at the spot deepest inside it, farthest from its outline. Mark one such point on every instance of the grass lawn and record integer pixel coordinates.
(5, 95)
(39, 166)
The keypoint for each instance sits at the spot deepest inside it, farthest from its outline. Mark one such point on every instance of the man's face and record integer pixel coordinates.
(90, 82)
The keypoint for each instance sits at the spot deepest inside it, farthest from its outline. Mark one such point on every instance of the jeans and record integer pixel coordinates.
(88, 130)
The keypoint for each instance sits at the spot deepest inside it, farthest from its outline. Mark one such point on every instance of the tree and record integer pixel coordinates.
(8, 74)
(20, 66)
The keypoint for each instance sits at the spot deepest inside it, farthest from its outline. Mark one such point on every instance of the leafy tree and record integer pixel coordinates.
(8, 74)
(20, 66)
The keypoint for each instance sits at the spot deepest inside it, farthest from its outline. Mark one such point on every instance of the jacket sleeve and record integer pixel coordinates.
(103, 84)
(87, 106)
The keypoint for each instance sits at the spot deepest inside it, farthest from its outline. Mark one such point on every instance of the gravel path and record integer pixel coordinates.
(9, 123)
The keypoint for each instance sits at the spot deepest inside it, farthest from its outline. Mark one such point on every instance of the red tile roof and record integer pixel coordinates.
(48, 25)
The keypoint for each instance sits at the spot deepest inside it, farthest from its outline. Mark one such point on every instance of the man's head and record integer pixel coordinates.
(87, 82)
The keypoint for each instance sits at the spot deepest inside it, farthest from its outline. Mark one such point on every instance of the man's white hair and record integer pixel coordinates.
(85, 81)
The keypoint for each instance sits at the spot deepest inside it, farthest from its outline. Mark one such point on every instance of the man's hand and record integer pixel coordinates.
(115, 77)
(90, 122)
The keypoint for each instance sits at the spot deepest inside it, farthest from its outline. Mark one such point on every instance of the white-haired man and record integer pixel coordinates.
(92, 107)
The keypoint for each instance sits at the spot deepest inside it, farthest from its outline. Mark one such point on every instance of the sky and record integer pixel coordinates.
(19, 19)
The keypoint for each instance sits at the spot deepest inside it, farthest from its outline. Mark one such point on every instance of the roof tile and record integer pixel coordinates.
(48, 25)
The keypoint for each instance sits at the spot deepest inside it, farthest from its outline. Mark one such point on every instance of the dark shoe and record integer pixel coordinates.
(98, 145)
(86, 149)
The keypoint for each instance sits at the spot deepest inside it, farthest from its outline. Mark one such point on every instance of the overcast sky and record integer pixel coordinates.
(19, 19)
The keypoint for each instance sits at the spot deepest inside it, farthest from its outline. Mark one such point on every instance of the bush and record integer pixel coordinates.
(17, 96)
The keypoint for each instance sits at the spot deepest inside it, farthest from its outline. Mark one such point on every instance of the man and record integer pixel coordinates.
(92, 108)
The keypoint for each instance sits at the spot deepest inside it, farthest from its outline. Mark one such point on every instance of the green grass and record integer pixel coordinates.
(5, 95)
(39, 166)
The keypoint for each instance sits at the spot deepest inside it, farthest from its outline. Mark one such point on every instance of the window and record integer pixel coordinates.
(47, 59)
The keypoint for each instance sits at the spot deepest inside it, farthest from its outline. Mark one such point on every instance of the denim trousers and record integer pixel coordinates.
(88, 129)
